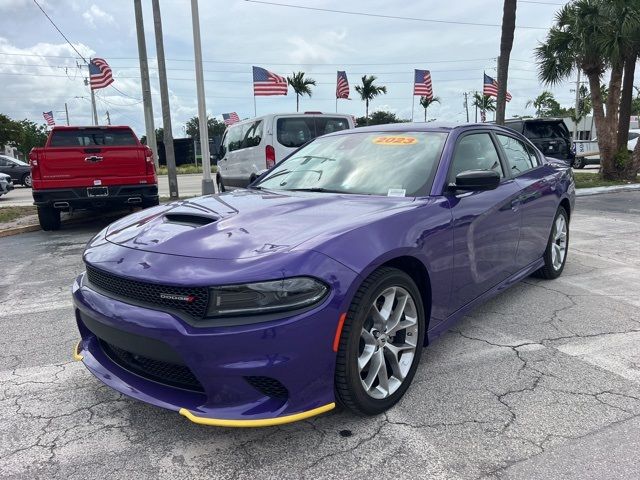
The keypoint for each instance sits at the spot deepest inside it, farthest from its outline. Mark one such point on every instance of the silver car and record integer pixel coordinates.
(6, 185)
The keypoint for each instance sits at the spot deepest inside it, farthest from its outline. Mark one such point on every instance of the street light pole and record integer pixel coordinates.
(164, 99)
(146, 85)
(208, 185)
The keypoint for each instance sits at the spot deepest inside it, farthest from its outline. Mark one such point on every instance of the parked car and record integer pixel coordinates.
(251, 146)
(19, 171)
(550, 135)
(6, 184)
(322, 282)
(581, 162)
(91, 168)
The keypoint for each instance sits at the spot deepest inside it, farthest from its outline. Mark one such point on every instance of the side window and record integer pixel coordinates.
(519, 157)
(475, 152)
(235, 136)
(328, 125)
(253, 136)
(3, 163)
(534, 156)
(293, 132)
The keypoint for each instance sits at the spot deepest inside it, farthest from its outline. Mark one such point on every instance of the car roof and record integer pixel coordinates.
(84, 127)
(294, 114)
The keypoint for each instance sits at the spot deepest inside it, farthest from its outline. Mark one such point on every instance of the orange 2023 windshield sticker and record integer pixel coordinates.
(395, 140)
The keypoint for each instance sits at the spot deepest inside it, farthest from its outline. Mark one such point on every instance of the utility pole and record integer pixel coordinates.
(146, 86)
(208, 185)
(66, 112)
(164, 99)
(108, 118)
(476, 108)
(577, 107)
(466, 104)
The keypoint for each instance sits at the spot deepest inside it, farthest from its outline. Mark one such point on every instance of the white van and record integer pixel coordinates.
(251, 146)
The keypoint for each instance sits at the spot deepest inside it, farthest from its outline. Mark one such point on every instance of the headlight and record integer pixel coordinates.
(265, 297)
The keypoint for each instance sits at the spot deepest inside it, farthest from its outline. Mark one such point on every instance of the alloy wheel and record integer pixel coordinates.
(559, 245)
(388, 342)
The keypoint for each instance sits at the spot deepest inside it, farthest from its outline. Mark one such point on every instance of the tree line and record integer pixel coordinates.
(22, 134)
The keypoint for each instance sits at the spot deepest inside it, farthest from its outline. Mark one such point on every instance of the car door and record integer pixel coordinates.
(486, 224)
(538, 202)
(4, 166)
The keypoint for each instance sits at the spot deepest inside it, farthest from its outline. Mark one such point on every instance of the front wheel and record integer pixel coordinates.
(381, 343)
(579, 162)
(555, 255)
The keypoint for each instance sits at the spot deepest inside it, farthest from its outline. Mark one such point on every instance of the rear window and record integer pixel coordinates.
(545, 130)
(293, 132)
(90, 138)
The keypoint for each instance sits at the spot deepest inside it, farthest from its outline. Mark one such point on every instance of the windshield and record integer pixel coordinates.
(545, 130)
(391, 164)
(15, 160)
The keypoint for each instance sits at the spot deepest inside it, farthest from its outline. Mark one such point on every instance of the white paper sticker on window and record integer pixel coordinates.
(396, 192)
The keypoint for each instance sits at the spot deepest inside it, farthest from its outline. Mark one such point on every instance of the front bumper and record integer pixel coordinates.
(295, 353)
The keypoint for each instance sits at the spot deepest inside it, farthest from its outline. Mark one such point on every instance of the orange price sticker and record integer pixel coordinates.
(395, 140)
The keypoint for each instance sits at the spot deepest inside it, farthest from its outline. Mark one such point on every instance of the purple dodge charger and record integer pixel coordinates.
(320, 283)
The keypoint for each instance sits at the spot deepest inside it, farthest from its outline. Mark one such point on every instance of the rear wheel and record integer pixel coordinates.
(381, 343)
(151, 203)
(220, 184)
(555, 256)
(49, 218)
(26, 180)
(579, 162)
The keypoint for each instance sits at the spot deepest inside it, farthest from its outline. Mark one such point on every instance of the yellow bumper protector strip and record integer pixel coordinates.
(263, 422)
(76, 353)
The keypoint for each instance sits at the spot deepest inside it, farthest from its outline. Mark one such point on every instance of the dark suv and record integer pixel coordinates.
(550, 135)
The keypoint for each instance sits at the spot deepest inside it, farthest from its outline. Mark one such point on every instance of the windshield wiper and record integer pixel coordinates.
(316, 189)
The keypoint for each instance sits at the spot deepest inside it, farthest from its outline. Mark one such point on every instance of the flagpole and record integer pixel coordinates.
(255, 111)
(336, 103)
(93, 106)
(413, 104)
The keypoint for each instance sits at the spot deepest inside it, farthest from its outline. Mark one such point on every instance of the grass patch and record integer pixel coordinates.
(8, 214)
(185, 169)
(589, 180)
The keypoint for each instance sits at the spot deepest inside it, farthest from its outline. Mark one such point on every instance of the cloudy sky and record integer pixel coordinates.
(38, 69)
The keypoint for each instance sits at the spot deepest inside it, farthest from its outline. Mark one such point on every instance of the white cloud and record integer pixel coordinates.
(324, 48)
(95, 15)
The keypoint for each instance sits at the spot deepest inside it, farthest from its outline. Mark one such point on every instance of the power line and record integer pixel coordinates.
(60, 31)
(392, 17)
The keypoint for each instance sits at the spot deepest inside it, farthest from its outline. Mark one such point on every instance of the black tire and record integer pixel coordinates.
(220, 184)
(548, 271)
(49, 218)
(26, 180)
(350, 392)
(579, 162)
(151, 203)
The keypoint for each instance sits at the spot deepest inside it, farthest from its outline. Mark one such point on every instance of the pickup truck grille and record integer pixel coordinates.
(191, 300)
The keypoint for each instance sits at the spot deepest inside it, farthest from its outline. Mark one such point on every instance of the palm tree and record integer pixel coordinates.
(368, 91)
(506, 43)
(484, 102)
(300, 85)
(426, 102)
(594, 36)
(544, 104)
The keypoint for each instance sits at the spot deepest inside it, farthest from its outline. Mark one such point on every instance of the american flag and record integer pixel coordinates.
(422, 84)
(342, 85)
(48, 116)
(266, 83)
(99, 73)
(490, 88)
(230, 118)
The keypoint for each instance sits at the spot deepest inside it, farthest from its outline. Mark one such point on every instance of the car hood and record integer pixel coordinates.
(248, 223)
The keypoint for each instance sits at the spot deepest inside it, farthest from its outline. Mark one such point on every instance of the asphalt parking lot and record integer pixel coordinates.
(541, 382)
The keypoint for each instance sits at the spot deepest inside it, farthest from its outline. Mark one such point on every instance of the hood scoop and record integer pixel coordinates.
(190, 219)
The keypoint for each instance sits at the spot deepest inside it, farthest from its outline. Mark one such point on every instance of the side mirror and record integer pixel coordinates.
(476, 180)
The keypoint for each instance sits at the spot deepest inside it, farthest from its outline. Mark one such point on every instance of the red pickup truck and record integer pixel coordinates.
(91, 168)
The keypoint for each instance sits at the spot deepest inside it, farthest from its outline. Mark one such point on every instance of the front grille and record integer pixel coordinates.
(152, 293)
(268, 386)
(162, 372)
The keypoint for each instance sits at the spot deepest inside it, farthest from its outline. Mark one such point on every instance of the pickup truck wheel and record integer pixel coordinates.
(49, 218)
(26, 180)
(151, 203)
